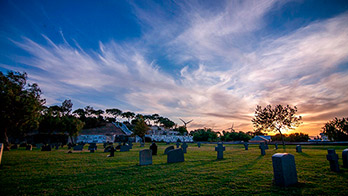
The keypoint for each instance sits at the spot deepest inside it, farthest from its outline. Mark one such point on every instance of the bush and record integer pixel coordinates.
(204, 135)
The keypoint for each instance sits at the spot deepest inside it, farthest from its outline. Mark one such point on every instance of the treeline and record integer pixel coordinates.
(212, 136)
(293, 137)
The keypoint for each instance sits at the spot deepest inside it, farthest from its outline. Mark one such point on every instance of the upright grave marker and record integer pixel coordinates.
(220, 150)
(284, 169)
(112, 152)
(332, 157)
(145, 157)
(345, 158)
(184, 147)
(199, 144)
(142, 144)
(266, 146)
(154, 148)
(124, 148)
(92, 147)
(262, 148)
(175, 156)
(246, 145)
(177, 144)
(276, 146)
(169, 148)
(78, 147)
(298, 148)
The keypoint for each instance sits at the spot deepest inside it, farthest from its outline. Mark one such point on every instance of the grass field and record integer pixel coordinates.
(240, 172)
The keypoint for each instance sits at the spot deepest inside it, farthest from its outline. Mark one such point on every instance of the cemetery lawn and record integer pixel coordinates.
(241, 172)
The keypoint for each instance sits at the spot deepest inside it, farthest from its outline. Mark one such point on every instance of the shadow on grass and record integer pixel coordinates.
(246, 167)
(303, 154)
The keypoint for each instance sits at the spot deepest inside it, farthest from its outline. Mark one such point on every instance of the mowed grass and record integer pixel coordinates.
(241, 172)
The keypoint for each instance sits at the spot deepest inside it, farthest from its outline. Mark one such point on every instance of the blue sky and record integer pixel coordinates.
(211, 61)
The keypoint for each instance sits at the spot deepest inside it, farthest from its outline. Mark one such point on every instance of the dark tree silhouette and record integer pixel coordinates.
(336, 129)
(276, 119)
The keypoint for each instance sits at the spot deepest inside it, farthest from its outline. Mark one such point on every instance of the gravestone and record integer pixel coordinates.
(175, 156)
(266, 146)
(46, 148)
(92, 147)
(168, 149)
(112, 152)
(167, 143)
(130, 145)
(333, 158)
(142, 144)
(262, 148)
(298, 148)
(220, 150)
(199, 144)
(124, 148)
(105, 144)
(345, 158)
(246, 145)
(276, 146)
(107, 149)
(284, 169)
(145, 157)
(1, 150)
(29, 147)
(78, 147)
(184, 147)
(177, 144)
(153, 148)
(69, 146)
(57, 146)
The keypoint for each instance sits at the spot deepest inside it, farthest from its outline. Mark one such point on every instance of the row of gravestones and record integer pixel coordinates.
(43, 147)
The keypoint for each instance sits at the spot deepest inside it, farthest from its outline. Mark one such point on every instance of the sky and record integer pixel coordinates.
(210, 61)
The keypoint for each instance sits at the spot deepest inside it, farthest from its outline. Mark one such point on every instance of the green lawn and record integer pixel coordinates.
(240, 172)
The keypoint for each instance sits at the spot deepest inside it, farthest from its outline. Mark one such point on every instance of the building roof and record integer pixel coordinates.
(108, 129)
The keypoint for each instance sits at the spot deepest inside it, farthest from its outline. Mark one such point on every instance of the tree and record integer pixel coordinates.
(336, 129)
(276, 119)
(20, 106)
(71, 125)
(128, 115)
(114, 112)
(182, 130)
(66, 107)
(204, 135)
(140, 128)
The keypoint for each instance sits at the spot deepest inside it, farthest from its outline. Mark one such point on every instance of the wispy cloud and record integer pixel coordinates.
(225, 71)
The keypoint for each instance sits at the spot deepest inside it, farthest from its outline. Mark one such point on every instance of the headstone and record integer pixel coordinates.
(333, 158)
(276, 146)
(177, 144)
(107, 149)
(69, 146)
(38, 146)
(105, 144)
(130, 145)
(46, 148)
(14, 146)
(29, 147)
(199, 144)
(145, 157)
(220, 150)
(246, 145)
(153, 148)
(112, 152)
(1, 150)
(262, 148)
(284, 169)
(184, 147)
(298, 148)
(175, 156)
(345, 158)
(142, 144)
(266, 146)
(168, 149)
(57, 146)
(167, 143)
(92, 147)
(78, 147)
(124, 148)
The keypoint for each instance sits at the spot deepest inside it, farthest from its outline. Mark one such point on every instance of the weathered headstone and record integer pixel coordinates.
(153, 148)
(266, 146)
(124, 148)
(298, 148)
(78, 147)
(175, 156)
(345, 158)
(92, 147)
(29, 147)
(69, 146)
(145, 157)
(1, 150)
(220, 150)
(177, 144)
(112, 152)
(142, 144)
(262, 148)
(57, 146)
(107, 149)
(246, 145)
(332, 157)
(130, 145)
(184, 147)
(284, 169)
(168, 149)
(276, 146)
(199, 144)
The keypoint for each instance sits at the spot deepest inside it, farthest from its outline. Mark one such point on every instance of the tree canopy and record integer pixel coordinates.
(336, 129)
(276, 119)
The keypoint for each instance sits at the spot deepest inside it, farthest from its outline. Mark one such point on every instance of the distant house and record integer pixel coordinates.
(102, 134)
(261, 138)
(323, 137)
